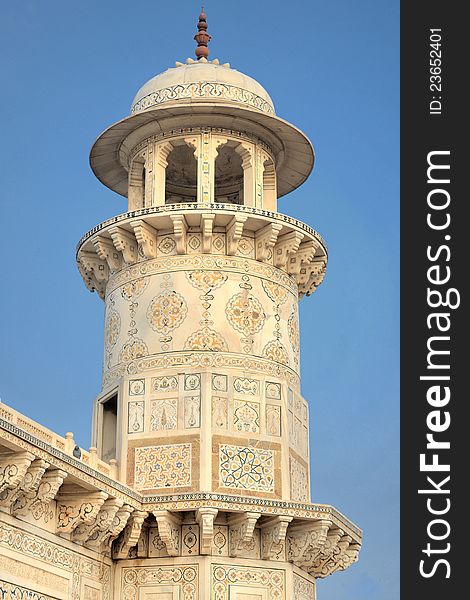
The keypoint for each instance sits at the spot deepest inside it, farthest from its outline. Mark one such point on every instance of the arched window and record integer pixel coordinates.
(181, 174)
(269, 186)
(136, 195)
(228, 175)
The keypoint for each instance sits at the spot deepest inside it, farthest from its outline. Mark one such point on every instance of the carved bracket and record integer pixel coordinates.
(265, 240)
(304, 254)
(28, 484)
(95, 265)
(90, 280)
(163, 150)
(305, 542)
(205, 518)
(245, 151)
(74, 509)
(37, 501)
(234, 233)
(310, 276)
(241, 529)
(327, 551)
(325, 566)
(130, 535)
(286, 246)
(349, 557)
(273, 537)
(106, 251)
(146, 236)
(90, 532)
(106, 538)
(207, 221)
(169, 530)
(126, 243)
(13, 468)
(180, 228)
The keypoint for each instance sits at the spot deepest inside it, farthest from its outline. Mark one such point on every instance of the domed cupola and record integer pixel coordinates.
(196, 95)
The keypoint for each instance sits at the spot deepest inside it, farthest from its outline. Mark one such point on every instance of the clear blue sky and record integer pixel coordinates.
(70, 69)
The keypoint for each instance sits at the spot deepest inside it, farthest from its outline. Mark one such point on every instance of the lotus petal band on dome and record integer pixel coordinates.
(202, 80)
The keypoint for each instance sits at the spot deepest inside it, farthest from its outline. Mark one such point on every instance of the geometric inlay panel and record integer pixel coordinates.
(163, 466)
(246, 468)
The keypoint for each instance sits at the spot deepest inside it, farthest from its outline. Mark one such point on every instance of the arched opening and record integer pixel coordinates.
(228, 175)
(181, 174)
(136, 194)
(269, 186)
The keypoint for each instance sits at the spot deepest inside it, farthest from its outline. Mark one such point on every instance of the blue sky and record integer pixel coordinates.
(71, 69)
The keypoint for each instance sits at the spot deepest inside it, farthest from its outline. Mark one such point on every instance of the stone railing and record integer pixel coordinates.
(64, 444)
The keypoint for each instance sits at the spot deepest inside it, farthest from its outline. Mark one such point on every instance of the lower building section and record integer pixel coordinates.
(204, 578)
(70, 530)
(37, 565)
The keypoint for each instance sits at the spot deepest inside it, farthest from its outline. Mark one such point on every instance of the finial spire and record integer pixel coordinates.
(202, 37)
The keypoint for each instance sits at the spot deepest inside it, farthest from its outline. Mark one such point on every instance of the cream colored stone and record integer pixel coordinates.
(197, 483)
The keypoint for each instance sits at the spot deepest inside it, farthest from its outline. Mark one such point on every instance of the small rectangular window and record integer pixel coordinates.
(109, 430)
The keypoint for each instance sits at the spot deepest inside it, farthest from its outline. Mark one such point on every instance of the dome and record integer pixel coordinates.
(202, 81)
(202, 94)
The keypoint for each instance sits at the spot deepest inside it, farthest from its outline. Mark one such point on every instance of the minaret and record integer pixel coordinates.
(200, 408)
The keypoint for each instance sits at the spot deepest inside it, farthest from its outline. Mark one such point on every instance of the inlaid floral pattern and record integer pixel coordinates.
(207, 280)
(167, 311)
(206, 339)
(275, 351)
(246, 416)
(293, 332)
(112, 329)
(245, 313)
(277, 293)
(133, 289)
(133, 349)
(164, 414)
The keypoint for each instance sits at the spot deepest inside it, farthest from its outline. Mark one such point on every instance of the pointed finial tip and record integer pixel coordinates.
(202, 37)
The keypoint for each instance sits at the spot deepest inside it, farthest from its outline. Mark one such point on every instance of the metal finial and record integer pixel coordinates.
(202, 37)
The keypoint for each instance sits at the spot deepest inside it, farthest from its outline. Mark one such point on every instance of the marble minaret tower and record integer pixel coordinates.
(200, 425)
